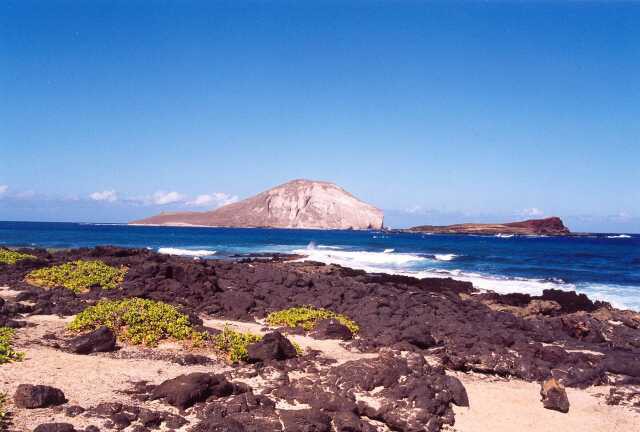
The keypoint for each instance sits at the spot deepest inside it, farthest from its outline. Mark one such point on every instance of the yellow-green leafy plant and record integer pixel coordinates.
(78, 276)
(139, 321)
(7, 353)
(234, 343)
(8, 256)
(307, 317)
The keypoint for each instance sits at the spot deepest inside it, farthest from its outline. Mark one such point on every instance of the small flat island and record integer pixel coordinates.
(552, 226)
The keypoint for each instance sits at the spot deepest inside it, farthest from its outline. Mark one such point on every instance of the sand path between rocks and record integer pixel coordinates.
(498, 405)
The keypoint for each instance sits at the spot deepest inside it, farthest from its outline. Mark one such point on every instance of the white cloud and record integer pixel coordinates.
(162, 198)
(531, 212)
(622, 216)
(216, 199)
(108, 196)
(25, 195)
(3, 189)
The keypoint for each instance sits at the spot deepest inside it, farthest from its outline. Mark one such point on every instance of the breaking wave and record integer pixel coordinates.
(374, 261)
(186, 252)
(421, 267)
(619, 236)
(445, 257)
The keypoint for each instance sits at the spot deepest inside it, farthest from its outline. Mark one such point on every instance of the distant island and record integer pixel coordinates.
(295, 204)
(551, 226)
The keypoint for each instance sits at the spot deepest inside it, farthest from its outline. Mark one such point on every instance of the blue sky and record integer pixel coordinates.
(434, 112)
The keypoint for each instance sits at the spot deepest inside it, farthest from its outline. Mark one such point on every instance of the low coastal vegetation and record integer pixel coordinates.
(8, 256)
(234, 343)
(7, 353)
(78, 276)
(307, 317)
(139, 321)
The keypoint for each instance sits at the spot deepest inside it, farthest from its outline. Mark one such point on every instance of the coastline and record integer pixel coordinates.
(456, 328)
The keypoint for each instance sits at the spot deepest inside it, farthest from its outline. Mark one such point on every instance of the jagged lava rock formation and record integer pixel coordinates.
(547, 226)
(296, 204)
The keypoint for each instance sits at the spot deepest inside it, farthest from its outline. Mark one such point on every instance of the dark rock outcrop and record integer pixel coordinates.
(331, 329)
(37, 396)
(185, 390)
(55, 427)
(101, 340)
(273, 346)
(554, 396)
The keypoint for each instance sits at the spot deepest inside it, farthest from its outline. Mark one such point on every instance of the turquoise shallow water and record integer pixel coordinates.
(604, 266)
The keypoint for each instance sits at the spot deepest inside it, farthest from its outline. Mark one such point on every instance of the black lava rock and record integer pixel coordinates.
(331, 329)
(100, 340)
(38, 396)
(554, 396)
(273, 346)
(186, 390)
(55, 427)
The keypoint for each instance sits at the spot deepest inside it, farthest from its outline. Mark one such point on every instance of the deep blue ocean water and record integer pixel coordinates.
(604, 266)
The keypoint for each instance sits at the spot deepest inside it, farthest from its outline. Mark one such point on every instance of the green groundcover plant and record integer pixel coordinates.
(78, 276)
(307, 317)
(7, 353)
(234, 343)
(139, 321)
(8, 256)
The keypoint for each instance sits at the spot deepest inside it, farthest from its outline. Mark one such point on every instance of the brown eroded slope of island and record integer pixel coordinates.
(296, 204)
(547, 226)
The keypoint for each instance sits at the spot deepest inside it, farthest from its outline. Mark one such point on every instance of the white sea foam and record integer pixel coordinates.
(389, 250)
(374, 261)
(445, 257)
(619, 236)
(186, 252)
(329, 247)
(504, 235)
(405, 264)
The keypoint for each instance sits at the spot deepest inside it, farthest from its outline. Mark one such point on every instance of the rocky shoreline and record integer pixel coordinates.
(401, 372)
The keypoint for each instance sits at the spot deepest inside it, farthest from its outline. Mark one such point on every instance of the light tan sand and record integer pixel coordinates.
(85, 380)
(514, 406)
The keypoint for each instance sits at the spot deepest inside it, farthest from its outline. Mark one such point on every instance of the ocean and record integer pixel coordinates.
(603, 266)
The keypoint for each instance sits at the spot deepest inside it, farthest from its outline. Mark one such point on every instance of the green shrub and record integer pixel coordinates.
(8, 256)
(7, 353)
(78, 276)
(138, 321)
(306, 317)
(234, 344)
